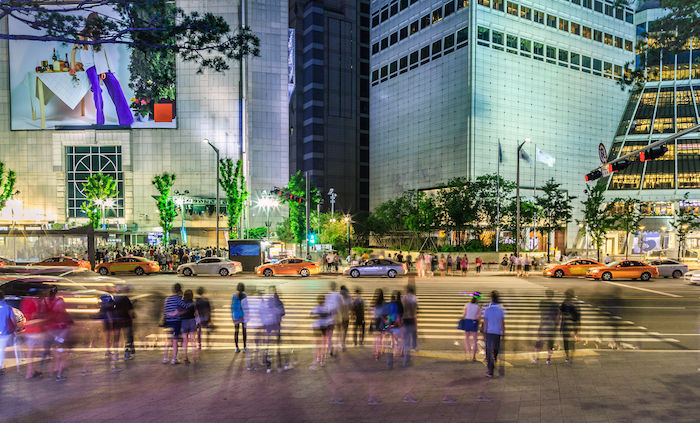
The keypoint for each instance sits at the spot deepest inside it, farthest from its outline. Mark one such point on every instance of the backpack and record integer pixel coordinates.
(573, 313)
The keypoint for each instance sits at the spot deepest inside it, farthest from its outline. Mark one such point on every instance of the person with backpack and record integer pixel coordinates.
(570, 323)
(237, 314)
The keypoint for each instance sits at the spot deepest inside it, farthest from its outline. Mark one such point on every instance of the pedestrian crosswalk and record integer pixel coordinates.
(440, 309)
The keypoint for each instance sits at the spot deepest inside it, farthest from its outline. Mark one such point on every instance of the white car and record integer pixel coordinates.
(692, 277)
(211, 266)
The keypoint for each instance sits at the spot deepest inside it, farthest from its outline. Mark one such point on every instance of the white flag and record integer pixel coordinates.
(543, 157)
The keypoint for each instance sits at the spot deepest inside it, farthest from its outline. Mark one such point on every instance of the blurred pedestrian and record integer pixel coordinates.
(58, 325)
(334, 304)
(409, 320)
(320, 315)
(252, 306)
(526, 266)
(449, 265)
(464, 265)
(409, 260)
(173, 321)
(358, 311)
(519, 265)
(478, 263)
(442, 265)
(203, 316)
(391, 321)
(494, 331)
(188, 324)
(570, 323)
(271, 315)
(377, 325)
(7, 329)
(238, 315)
(124, 315)
(345, 309)
(548, 324)
(420, 266)
(472, 315)
(34, 309)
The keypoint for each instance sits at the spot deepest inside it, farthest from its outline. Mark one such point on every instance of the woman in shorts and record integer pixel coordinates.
(320, 326)
(472, 314)
(188, 325)
(378, 325)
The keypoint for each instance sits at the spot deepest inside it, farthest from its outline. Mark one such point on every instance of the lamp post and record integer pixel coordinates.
(517, 199)
(348, 222)
(14, 205)
(332, 194)
(216, 150)
(641, 243)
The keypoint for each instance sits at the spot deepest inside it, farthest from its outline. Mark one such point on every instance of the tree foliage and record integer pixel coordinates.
(232, 182)
(164, 202)
(456, 206)
(297, 211)
(8, 179)
(98, 187)
(556, 208)
(154, 25)
(256, 233)
(597, 214)
(627, 217)
(334, 231)
(683, 223)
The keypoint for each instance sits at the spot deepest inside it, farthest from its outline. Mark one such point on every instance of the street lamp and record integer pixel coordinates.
(268, 202)
(348, 222)
(217, 193)
(517, 200)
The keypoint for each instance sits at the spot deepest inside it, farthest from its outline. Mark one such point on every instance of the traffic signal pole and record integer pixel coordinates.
(308, 203)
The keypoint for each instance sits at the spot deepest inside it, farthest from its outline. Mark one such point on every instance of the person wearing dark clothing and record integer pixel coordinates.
(570, 323)
(124, 316)
(549, 311)
(358, 311)
(204, 311)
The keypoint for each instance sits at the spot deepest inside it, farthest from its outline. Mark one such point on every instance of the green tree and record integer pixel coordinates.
(456, 206)
(597, 215)
(334, 231)
(232, 182)
(98, 187)
(153, 25)
(487, 188)
(8, 179)
(164, 202)
(421, 215)
(284, 231)
(556, 209)
(683, 223)
(627, 217)
(297, 211)
(529, 213)
(256, 233)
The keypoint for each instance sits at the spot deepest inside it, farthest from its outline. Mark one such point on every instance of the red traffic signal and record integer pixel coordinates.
(653, 153)
(617, 166)
(596, 174)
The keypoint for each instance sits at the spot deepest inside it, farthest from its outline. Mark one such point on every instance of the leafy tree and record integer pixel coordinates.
(556, 209)
(420, 213)
(232, 182)
(597, 215)
(8, 179)
(284, 231)
(98, 187)
(456, 206)
(256, 233)
(154, 25)
(361, 228)
(627, 216)
(487, 188)
(334, 231)
(683, 223)
(297, 211)
(165, 204)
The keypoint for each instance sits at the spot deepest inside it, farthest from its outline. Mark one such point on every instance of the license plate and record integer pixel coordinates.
(82, 306)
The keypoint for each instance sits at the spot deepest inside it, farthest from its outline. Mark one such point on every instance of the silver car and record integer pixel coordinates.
(211, 266)
(377, 267)
(669, 268)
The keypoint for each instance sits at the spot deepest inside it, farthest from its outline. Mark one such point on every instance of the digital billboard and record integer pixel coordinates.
(54, 85)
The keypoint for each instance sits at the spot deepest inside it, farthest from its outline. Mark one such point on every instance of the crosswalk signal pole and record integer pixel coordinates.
(308, 205)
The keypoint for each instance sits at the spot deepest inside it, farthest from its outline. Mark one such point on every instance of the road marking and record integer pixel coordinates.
(657, 308)
(644, 289)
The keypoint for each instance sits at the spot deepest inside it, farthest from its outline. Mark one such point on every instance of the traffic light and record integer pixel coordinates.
(653, 153)
(594, 175)
(617, 166)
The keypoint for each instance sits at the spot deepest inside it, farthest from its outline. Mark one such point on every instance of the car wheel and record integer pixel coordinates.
(607, 276)
(104, 271)
(391, 273)
(223, 272)
(559, 273)
(355, 273)
(139, 271)
(677, 274)
(304, 273)
(646, 276)
(187, 271)
(267, 272)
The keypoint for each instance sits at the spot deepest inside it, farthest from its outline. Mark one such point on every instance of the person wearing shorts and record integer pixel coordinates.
(472, 314)
(171, 315)
(188, 324)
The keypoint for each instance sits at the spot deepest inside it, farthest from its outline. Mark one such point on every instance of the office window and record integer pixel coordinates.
(385, 15)
(607, 67)
(525, 12)
(414, 58)
(404, 4)
(618, 42)
(385, 43)
(394, 9)
(628, 45)
(403, 33)
(619, 13)
(498, 5)
(385, 71)
(552, 21)
(586, 32)
(461, 4)
(486, 3)
(598, 6)
(563, 55)
(437, 46)
(578, 2)
(538, 48)
(551, 52)
(414, 27)
(425, 21)
(437, 15)
(425, 53)
(512, 41)
(538, 17)
(449, 41)
(403, 62)
(525, 45)
(597, 64)
(598, 35)
(629, 17)
(608, 39)
(575, 59)
(375, 48)
(497, 37)
(586, 62)
(393, 67)
(575, 28)
(512, 8)
(588, 4)
(618, 71)
(393, 38)
(609, 9)
(449, 8)
(375, 21)
(482, 34)
(375, 75)
(463, 35)
(564, 25)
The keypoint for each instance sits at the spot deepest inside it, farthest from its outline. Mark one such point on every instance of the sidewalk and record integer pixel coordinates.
(605, 386)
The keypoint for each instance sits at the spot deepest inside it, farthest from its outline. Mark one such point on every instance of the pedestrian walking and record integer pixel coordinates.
(449, 265)
(409, 316)
(7, 329)
(570, 323)
(34, 309)
(238, 315)
(494, 331)
(526, 266)
(358, 312)
(334, 304)
(549, 313)
(442, 265)
(391, 321)
(188, 324)
(171, 316)
(511, 264)
(409, 261)
(124, 317)
(504, 264)
(607, 259)
(320, 315)
(252, 307)
(58, 324)
(519, 265)
(478, 263)
(346, 307)
(464, 265)
(420, 262)
(377, 326)
(471, 316)
(203, 317)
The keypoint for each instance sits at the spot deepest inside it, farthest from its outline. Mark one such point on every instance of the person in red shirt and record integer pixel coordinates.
(58, 325)
(34, 310)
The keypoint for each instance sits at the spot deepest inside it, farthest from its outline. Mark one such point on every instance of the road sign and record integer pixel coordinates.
(602, 153)
(606, 172)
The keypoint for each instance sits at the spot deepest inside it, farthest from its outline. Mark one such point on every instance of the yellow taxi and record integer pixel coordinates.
(138, 265)
(625, 269)
(574, 267)
(289, 266)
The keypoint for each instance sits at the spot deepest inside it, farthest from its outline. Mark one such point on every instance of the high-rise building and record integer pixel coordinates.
(453, 79)
(329, 109)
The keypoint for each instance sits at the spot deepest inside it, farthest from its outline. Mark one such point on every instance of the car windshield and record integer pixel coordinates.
(612, 264)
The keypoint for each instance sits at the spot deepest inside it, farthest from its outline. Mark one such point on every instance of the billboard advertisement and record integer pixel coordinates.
(54, 85)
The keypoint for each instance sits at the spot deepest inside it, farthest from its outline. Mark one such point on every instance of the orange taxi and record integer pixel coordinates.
(625, 269)
(574, 267)
(64, 261)
(289, 266)
(138, 265)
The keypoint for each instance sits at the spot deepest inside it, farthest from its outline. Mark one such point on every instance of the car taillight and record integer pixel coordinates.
(404, 267)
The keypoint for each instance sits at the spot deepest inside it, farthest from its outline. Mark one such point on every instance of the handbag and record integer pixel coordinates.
(463, 324)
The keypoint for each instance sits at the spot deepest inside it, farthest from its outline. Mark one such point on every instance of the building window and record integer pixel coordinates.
(375, 21)
(525, 45)
(498, 5)
(437, 46)
(385, 15)
(394, 38)
(403, 62)
(414, 58)
(552, 21)
(608, 39)
(437, 15)
(575, 59)
(575, 28)
(385, 71)
(563, 55)
(586, 32)
(375, 75)
(375, 48)
(394, 9)
(578, 2)
(538, 48)
(449, 8)
(393, 67)
(461, 4)
(598, 35)
(597, 65)
(551, 52)
(497, 37)
(403, 33)
(449, 41)
(463, 35)
(525, 12)
(425, 53)
(598, 6)
(512, 41)
(404, 4)
(586, 62)
(628, 45)
(425, 21)
(512, 8)
(618, 42)
(564, 25)
(414, 27)
(83, 162)
(629, 17)
(483, 34)
(538, 17)
(609, 9)
(588, 4)
(486, 3)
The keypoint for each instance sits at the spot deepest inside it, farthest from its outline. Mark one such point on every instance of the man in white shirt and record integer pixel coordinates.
(333, 302)
(494, 330)
(607, 259)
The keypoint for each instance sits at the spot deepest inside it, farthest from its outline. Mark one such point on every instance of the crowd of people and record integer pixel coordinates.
(168, 258)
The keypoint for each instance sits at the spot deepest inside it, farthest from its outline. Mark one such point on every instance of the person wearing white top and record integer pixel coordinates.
(472, 314)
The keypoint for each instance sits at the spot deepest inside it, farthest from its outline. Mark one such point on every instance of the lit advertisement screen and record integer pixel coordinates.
(244, 250)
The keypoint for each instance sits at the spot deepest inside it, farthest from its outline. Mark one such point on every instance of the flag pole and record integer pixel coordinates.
(534, 193)
(498, 192)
